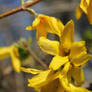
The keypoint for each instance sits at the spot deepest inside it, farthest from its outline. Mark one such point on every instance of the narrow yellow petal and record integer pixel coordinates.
(65, 69)
(15, 59)
(30, 70)
(78, 13)
(84, 5)
(34, 24)
(41, 31)
(65, 84)
(81, 59)
(67, 37)
(78, 89)
(29, 28)
(4, 52)
(60, 25)
(88, 2)
(55, 26)
(36, 21)
(57, 62)
(89, 10)
(78, 76)
(40, 79)
(48, 46)
(68, 87)
(15, 62)
(77, 48)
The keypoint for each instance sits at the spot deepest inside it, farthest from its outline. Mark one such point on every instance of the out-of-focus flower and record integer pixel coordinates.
(11, 51)
(46, 24)
(18, 53)
(86, 7)
(67, 51)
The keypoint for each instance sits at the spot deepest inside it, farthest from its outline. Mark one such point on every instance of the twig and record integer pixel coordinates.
(37, 59)
(34, 56)
(20, 8)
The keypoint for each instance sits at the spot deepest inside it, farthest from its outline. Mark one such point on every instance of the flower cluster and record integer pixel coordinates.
(64, 73)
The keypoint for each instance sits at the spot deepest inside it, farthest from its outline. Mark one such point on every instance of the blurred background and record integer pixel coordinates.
(12, 29)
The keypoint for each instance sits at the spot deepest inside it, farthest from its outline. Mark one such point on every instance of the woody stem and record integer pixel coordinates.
(20, 8)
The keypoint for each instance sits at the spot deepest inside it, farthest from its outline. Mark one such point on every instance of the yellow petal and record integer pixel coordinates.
(15, 59)
(65, 84)
(30, 70)
(88, 2)
(78, 53)
(67, 37)
(4, 52)
(78, 13)
(78, 75)
(61, 73)
(55, 25)
(68, 87)
(51, 24)
(34, 24)
(81, 59)
(78, 89)
(36, 21)
(65, 69)
(57, 62)
(89, 10)
(84, 5)
(29, 28)
(41, 31)
(77, 48)
(40, 79)
(60, 25)
(48, 46)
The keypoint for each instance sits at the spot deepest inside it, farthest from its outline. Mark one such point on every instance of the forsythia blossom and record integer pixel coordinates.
(86, 7)
(64, 73)
(67, 51)
(47, 80)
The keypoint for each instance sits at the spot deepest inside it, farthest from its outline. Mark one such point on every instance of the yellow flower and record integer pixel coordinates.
(67, 51)
(11, 51)
(85, 6)
(47, 80)
(53, 81)
(46, 24)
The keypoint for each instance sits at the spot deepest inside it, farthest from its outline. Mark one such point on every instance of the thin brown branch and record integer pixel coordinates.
(20, 8)
(34, 56)
(37, 59)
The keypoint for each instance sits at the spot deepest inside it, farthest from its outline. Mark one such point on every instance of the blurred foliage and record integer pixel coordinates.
(87, 35)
